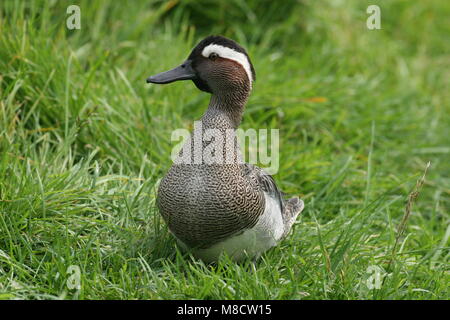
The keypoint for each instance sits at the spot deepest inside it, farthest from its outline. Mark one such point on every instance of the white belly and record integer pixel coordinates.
(252, 242)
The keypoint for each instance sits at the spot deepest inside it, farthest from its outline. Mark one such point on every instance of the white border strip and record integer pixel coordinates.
(229, 53)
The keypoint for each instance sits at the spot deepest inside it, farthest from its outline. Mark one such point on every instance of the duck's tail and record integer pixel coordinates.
(292, 209)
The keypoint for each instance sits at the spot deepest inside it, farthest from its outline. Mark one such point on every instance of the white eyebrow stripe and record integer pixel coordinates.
(229, 53)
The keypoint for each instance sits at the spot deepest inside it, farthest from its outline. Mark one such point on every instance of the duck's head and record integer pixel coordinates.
(216, 65)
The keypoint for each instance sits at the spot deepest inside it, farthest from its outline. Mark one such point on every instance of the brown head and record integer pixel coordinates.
(216, 65)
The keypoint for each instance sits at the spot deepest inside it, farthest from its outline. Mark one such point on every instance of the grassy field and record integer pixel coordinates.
(84, 142)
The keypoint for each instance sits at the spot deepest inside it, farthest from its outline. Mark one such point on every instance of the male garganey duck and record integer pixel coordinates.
(228, 207)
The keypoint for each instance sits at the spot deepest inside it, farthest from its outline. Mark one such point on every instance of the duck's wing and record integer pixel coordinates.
(289, 208)
(265, 183)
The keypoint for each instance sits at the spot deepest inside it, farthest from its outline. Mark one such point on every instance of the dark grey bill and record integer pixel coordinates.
(182, 72)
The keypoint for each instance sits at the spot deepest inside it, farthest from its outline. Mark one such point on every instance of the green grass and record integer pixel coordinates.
(84, 142)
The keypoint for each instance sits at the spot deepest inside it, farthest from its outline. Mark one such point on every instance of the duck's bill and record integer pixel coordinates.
(182, 72)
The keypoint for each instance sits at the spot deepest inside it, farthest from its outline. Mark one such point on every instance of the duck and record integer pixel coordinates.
(221, 207)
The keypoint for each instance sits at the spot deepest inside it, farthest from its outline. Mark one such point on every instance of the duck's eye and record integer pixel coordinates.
(213, 56)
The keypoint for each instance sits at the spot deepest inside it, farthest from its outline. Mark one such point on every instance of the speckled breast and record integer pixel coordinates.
(204, 204)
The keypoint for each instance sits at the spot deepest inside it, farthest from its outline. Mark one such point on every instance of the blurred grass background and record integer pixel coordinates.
(84, 142)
